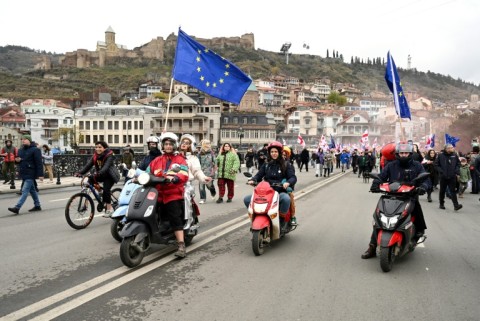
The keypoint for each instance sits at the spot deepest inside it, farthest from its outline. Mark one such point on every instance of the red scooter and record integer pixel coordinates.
(393, 220)
(267, 225)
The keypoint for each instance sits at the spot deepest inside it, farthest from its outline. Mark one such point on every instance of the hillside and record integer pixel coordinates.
(19, 81)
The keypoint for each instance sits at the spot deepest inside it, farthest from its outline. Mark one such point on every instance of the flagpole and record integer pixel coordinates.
(401, 129)
(168, 105)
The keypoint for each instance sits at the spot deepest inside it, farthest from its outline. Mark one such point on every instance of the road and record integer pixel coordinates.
(50, 271)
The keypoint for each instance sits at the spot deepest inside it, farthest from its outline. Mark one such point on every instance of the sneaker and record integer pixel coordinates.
(457, 207)
(220, 200)
(5, 183)
(35, 209)
(229, 200)
(201, 202)
(181, 252)
(370, 252)
(293, 221)
(14, 210)
(108, 213)
(442, 207)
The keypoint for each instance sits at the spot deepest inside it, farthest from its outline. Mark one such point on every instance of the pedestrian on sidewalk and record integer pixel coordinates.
(30, 168)
(47, 157)
(227, 163)
(8, 152)
(208, 163)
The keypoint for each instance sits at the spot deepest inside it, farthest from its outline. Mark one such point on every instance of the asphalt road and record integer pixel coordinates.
(50, 271)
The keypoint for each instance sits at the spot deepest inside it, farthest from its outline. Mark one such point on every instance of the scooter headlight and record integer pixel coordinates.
(149, 211)
(144, 178)
(388, 222)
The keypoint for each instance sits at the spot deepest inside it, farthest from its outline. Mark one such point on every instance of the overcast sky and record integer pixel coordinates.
(442, 36)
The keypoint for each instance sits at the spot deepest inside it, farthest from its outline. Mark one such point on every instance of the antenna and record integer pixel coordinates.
(409, 65)
(285, 47)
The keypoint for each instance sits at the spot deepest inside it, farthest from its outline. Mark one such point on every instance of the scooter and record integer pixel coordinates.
(263, 211)
(393, 220)
(118, 217)
(144, 225)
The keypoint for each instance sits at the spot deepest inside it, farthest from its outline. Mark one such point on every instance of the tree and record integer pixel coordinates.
(328, 55)
(336, 98)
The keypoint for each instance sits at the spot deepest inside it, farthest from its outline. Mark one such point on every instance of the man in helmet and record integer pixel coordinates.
(403, 168)
(276, 170)
(153, 152)
(170, 196)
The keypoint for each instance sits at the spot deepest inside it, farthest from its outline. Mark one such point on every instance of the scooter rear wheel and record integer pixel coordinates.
(387, 257)
(257, 242)
(130, 256)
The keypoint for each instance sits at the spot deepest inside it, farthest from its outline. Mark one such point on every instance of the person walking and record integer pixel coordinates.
(465, 176)
(429, 165)
(47, 157)
(475, 177)
(8, 152)
(207, 162)
(249, 158)
(448, 168)
(304, 158)
(30, 168)
(319, 161)
(227, 163)
(127, 160)
(262, 156)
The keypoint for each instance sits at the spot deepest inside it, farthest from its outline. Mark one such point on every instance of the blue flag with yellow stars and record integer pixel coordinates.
(205, 70)
(451, 140)
(395, 86)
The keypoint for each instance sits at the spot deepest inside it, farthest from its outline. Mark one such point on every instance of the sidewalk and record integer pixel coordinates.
(64, 182)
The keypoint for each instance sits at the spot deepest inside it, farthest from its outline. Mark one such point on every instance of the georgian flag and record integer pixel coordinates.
(374, 145)
(430, 143)
(300, 140)
(284, 142)
(365, 136)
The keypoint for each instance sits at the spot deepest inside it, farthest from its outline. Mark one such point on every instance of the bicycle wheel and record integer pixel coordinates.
(115, 197)
(79, 211)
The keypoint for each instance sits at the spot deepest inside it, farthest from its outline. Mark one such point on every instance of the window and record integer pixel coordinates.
(116, 125)
(95, 125)
(110, 125)
(110, 139)
(124, 141)
(140, 125)
(225, 120)
(87, 125)
(211, 123)
(80, 124)
(245, 120)
(87, 139)
(116, 139)
(135, 125)
(235, 120)
(95, 138)
(356, 119)
(254, 120)
(101, 125)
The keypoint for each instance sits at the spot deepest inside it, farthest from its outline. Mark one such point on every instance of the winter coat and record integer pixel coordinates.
(448, 166)
(431, 168)
(31, 166)
(304, 156)
(104, 166)
(127, 159)
(249, 156)
(320, 158)
(152, 154)
(465, 173)
(207, 162)
(393, 172)
(344, 158)
(195, 169)
(9, 154)
(272, 173)
(228, 164)
(47, 157)
(161, 166)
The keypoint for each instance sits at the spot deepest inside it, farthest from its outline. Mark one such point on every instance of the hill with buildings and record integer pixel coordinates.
(27, 73)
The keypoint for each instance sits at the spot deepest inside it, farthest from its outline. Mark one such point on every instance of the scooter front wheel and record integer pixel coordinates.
(115, 228)
(130, 255)
(257, 242)
(387, 257)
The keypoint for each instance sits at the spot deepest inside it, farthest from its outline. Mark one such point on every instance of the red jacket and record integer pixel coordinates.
(9, 157)
(158, 167)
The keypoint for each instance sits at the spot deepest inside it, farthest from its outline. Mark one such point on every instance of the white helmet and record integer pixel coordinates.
(191, 139)
(171, 137)
(153, 139)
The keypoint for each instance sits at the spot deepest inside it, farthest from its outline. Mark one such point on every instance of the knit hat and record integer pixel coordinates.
(27, 137)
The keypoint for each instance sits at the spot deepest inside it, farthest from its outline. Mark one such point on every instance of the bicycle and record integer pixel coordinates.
(80, 209)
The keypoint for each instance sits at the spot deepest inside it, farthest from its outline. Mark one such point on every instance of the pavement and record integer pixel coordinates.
(64, 182)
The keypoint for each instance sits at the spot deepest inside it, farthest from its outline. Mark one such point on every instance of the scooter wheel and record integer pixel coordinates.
(387, 257)
(257, 242)
(129, 255)
(115, 228)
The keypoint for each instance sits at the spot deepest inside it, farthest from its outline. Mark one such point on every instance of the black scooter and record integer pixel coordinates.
(144, 226)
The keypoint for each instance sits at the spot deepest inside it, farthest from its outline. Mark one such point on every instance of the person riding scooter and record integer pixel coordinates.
(276, 170)
(404, 168)
(170, 196)
(153, 152)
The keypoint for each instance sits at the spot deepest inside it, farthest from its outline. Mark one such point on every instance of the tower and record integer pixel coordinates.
(110, 39)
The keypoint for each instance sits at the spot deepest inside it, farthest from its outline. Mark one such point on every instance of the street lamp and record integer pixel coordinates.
(240, 134)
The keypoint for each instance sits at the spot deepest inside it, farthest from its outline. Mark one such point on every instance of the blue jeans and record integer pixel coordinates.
(28, 187)
(284, 202)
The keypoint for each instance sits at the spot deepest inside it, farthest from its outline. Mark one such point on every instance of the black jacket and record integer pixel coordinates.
(272, 173)
(393, 172)
(448, 166)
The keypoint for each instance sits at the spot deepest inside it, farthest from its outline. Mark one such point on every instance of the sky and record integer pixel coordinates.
(441, 36)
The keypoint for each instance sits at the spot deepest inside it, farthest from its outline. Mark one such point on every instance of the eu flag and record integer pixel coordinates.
(395, 86)
(451, 140)
(205, 70)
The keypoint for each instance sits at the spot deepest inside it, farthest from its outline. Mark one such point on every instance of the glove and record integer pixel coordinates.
(375, 188)
(175, 180)
(421, 190)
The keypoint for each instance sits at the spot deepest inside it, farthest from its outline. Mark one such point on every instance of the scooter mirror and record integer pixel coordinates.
(144, 178)
(131, 173)
(175, 167)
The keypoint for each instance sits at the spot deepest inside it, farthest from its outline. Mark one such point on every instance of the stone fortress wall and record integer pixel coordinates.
(108, 51)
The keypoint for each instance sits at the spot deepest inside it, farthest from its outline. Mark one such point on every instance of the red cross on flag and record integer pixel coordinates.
(301, 141)
(365, 136)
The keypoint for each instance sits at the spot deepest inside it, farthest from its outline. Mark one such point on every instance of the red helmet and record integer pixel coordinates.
(276, 145)
(388, 151)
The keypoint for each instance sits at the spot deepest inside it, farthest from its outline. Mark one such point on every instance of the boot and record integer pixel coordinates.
(370, 252)
(181, 252)
(429, 197)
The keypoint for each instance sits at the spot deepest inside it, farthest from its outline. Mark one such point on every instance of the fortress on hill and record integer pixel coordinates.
(109, 51)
